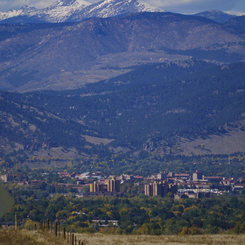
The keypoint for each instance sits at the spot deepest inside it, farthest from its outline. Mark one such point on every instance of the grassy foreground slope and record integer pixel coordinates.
(9, 237)
(92, 239)
(24, 237)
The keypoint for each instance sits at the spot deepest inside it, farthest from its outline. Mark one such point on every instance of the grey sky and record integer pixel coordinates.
(177, 6)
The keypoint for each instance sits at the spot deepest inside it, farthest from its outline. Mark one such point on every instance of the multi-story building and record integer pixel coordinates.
(160, 188)
(110, 185)
(149, 190)
(161, 176)
(7, 177)
(98, 187)
(197, 176)
(113, 185)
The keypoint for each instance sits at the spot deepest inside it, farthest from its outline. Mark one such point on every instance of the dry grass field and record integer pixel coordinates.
(97, 239)
(24, 237)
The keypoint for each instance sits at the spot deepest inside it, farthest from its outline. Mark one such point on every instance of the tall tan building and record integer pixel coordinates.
(172, 188)
(197, 176)
(111, 185)
(160, 188)
(97, 187)
(149, 190)
(7, 177)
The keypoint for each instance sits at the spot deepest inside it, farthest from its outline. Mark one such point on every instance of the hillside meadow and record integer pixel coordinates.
(10, 236)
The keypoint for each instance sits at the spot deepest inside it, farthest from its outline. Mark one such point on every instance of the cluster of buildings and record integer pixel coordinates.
(181, 185)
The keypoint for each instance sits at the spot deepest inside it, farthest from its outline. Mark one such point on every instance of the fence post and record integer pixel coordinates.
(55, 229)
(41, 225)
(72, 239)
(51, 226)
(64, 233)
(35, 226)
(16, 222)
(47, 224)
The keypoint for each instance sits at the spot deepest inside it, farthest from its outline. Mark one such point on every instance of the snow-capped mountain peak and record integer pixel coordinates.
(76, 10)
(61, 10)
(118, 6)
(25, 10)
(69, 3)
(109, 8)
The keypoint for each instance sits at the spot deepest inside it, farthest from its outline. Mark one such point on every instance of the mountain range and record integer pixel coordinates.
(154, 80)
(70, 55)
(75, 10)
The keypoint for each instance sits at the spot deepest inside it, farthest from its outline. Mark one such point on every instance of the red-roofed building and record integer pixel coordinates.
(37, 182)
(239, 186)
(138, 177)
(24, 183)
(227, 182)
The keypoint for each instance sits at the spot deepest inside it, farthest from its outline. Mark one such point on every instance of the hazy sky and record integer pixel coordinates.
(177, 6)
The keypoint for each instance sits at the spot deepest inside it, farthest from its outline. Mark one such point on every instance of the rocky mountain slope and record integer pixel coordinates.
(67, 56)
(75, 10)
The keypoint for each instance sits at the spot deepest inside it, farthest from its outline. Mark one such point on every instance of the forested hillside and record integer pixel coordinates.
(25, 127)
(132, 109)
